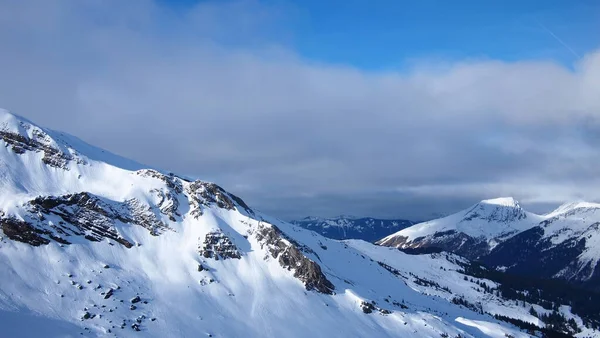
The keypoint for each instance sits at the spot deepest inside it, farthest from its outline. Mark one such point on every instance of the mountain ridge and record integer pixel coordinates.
(494, 230)
(351, 227)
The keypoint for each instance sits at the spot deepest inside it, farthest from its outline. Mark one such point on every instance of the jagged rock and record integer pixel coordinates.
(23, 232)
(205, 194)
(40, 142)
(135, 299)
(135, 326)
(143, 215)
(200, 267)
(109, 293)
(217, 245)
(169, 203)
(367, 307)
(132, 307)
(86, 315)
(291, 258)
(82, 214)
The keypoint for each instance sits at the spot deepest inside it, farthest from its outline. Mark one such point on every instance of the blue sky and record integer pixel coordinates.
(371, 108)
(386, 34)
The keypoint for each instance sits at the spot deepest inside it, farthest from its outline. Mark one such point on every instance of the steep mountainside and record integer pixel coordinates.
(347, 227)
(562, 244)
(566, 245)
(95, 245)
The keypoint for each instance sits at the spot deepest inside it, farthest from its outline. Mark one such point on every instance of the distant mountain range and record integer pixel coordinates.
(563, 244)
(348, 227)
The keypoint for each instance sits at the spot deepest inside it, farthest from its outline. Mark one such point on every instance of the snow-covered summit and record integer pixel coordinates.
(485, 220)
(571, 207)
(498, 230)
(499, 210)
(502, 201)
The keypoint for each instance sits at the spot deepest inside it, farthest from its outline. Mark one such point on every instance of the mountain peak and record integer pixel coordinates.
(572, 206)
(502, 201)
(501, 210)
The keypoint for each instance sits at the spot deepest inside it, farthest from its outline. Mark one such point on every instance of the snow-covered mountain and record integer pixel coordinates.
(95, 245)
(562, 244)
(348, 227)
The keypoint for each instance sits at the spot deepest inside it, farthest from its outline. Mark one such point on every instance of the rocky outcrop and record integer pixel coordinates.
(168, 203)
(81, 214)
(142, 214)
(60, 218)
(217, 245)
(21, 231)
(290, 257)
(206, 194)
(40, 142)
(369, 307)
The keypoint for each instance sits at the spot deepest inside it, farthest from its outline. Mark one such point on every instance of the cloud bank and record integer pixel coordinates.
(215, 91)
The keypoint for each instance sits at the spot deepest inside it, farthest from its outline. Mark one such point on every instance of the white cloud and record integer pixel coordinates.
(191, 92)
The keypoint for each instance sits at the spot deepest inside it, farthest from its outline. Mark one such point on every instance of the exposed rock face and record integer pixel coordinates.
(40, 142)
(168, 199)
(142, 214)
(290, 257)
(23, 232)
(205, 194)
(218, 246)
(81, 214)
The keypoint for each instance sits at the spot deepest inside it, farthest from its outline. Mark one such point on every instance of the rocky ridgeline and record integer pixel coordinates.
(59, 218)
(217, 245)
(40, 142)
(289, 255)
(205, 194)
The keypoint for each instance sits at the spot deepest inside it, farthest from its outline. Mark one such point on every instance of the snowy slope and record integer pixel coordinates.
(472, 232)
(95, 245)
(561, 244)
(443, 275)
(346, 227)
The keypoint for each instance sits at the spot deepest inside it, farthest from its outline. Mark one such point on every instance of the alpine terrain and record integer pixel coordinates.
(348, 227)
(95, 245)
(563, 244)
